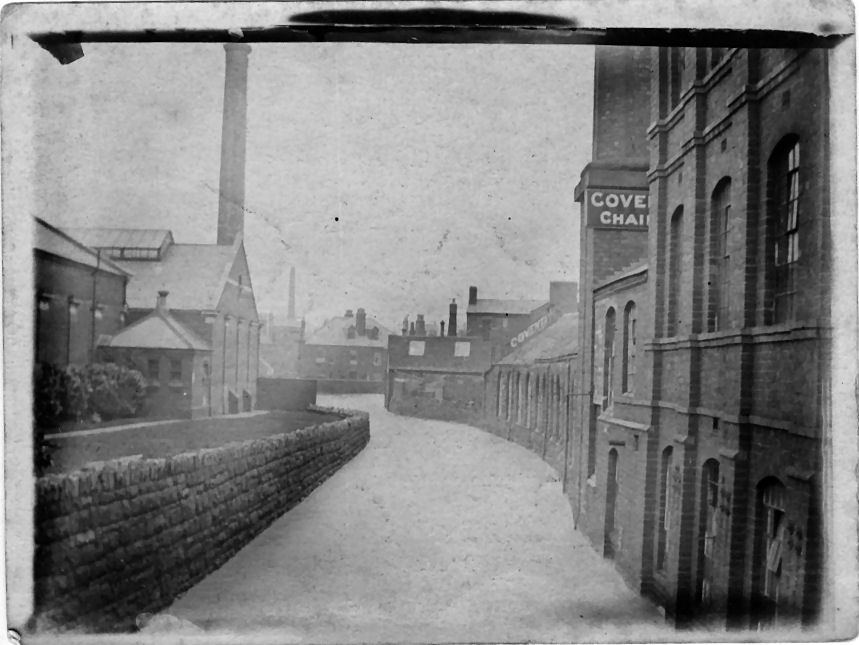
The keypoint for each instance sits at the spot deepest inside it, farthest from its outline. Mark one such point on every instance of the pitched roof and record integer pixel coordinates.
(335, 332)
(52, 240)
(194, 274)
(511, 307)
(103, 237)
(558, 339)
(158, 330)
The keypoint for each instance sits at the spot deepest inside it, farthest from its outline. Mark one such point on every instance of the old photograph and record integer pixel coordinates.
(430, 322)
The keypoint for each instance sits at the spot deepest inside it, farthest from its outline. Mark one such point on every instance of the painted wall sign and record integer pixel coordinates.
(617, 208)
(534, 328)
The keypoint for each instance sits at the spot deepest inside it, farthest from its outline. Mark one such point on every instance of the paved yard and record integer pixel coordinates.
(435, 532)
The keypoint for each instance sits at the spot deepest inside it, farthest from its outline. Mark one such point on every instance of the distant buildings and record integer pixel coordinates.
(458, 376)
(80, 297)
(280, 341)
(348, 353)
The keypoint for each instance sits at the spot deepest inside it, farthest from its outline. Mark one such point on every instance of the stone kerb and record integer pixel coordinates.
(123, 537)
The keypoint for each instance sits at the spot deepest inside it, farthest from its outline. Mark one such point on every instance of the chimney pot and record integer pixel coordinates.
(161, 302)
(348, 313)
(451, 325)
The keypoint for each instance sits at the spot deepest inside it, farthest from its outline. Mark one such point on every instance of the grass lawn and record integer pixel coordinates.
(175, 437)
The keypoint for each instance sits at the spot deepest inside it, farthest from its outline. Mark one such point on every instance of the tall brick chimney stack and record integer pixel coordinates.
(451, 325)
(291, 311)
(231, 201)
(361, 322)
(472, 295)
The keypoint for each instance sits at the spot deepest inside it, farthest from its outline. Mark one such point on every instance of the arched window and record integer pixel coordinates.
(783, 227)
(629, 345)
(771, 535)
(708, 529)
(608, 357)
(675, 257)
(526, 412)
(664, 522)
(720, 257)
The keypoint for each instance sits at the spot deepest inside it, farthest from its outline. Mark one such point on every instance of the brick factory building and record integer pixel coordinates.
(210, 295)
(530, 392)
(348, 353)
(704, 434)
(175, 361)
(80, 296)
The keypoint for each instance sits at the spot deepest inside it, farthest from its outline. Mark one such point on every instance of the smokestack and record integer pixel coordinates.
(292, 293)
(361, 322)
(451, 326)
(472, 295)
(231, 201)
(161, 302)
(442, 328)
(420, 326)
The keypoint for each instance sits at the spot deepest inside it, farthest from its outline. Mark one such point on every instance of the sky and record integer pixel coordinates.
(392, 176)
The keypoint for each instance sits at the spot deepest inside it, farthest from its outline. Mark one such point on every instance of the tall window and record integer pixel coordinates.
(675, 257)
(771, 527)
(720, 258)
(664, 507)
(709, 529)
(608, 357)
(629, 342)
(677, 69)
(784, 227)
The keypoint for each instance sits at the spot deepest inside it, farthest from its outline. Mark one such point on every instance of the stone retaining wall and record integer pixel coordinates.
(124, 537)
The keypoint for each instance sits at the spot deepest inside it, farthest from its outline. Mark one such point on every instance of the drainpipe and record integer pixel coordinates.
(92, 306)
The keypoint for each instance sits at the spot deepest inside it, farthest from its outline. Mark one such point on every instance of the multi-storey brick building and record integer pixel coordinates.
(703, 465)
(348, 353)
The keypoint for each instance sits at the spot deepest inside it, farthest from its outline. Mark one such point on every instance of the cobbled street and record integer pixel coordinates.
(435, 532)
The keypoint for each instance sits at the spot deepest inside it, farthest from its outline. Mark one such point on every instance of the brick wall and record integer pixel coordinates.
(128, 536)
(436, 395)
(285, 393)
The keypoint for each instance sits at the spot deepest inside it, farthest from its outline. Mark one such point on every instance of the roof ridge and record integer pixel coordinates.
(81, 245)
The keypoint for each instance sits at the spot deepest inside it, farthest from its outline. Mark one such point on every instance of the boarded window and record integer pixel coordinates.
(462, 349)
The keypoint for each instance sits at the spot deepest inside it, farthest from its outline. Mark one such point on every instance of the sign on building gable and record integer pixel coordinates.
(623, 208)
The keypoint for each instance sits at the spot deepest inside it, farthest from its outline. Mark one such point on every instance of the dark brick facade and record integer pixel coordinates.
(704, 482)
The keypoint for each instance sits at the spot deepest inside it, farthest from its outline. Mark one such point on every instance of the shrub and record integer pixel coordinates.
(105, 390)
(115, 391)
(76, 395)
